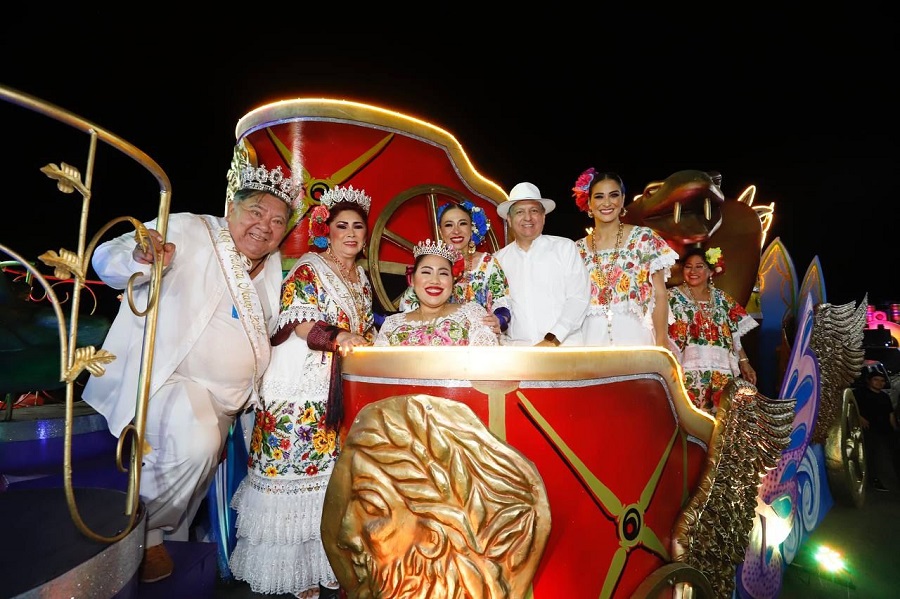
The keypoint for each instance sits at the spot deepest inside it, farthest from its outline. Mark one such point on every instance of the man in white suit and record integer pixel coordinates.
(219, 298)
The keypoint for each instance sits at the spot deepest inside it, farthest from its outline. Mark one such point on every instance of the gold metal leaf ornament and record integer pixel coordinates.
(88, 358)
(67, 178)
(65, 264)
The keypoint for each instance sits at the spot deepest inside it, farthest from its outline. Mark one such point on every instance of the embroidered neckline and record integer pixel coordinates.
(704, 309)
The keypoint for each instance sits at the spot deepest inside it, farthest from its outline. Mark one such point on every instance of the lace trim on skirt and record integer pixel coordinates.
(279, 545)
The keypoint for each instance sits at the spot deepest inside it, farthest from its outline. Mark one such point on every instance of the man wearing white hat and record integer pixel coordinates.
(549, 287)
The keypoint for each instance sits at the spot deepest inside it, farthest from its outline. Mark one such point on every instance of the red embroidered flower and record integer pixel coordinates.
(268, 423)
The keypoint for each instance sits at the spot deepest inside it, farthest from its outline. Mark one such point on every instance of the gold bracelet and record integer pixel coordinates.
(744, 360)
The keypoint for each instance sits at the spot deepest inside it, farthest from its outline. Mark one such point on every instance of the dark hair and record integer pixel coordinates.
(609, 175)
(695, 251)
(242, 195)
(343, 205)
(419, 258)
(246, 193)
(477, 216)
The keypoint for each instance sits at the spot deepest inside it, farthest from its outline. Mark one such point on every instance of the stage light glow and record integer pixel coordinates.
(830, 560)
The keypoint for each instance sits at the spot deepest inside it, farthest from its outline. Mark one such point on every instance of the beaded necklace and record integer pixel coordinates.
(465, 279)
(704, 309)
(470, 260)
(604, 277)
(356, 297)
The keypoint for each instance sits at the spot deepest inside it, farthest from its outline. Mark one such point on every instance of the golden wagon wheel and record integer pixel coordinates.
(662, 581)
(388, 277)
(845, 455)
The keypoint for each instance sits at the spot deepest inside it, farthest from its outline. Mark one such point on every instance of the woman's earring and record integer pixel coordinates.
(590, 213)
(471, 247)
(624, 212)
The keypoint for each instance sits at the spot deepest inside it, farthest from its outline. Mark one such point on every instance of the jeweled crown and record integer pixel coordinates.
(437, 248)
(271, 181)
(345, 194)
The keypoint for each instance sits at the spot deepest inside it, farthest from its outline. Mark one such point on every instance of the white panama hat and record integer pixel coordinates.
(524, 191)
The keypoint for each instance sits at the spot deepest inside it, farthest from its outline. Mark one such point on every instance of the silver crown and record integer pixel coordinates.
(437, 248)
(272, 181)
(345, 194)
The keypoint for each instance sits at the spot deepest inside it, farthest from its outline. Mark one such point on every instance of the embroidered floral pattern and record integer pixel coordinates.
(643, 253)
(708, 342)
(290, 439)
(303, 296)
(462, 327)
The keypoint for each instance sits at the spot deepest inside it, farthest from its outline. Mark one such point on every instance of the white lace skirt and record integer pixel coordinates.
(279, 544)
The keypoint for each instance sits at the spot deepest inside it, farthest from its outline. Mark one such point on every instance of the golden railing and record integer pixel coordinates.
(67, 264)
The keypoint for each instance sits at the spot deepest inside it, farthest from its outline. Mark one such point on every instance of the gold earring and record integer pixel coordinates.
(471, 247)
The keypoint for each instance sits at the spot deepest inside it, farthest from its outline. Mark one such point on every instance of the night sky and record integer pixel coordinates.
(799, 106)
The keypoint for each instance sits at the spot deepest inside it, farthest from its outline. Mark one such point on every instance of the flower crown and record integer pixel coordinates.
(318, 227)
(582, 189)
(271, 181)
(480, 223)
(715, 259)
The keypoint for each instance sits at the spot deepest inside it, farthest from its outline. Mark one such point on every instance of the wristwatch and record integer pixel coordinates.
(552, 339)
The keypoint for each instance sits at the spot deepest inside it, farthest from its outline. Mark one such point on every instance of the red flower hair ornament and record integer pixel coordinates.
(582, 189)
(318, 228)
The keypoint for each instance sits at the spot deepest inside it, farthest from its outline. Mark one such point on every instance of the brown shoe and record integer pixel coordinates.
(157, 564)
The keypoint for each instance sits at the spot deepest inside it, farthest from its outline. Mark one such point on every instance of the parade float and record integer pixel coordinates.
(622, 487)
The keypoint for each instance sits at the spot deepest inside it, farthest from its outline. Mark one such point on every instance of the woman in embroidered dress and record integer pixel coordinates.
(436, 321)
(326, 311)
(628, 265)
(707, 329)
(464, 226)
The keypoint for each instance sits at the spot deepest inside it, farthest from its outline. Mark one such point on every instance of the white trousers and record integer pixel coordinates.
(186, 430)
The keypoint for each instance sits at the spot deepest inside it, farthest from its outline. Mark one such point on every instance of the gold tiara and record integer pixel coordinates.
(345, 194)
(437, 248)
(271, 181)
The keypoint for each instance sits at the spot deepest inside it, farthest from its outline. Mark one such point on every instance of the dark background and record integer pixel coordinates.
(800, 105)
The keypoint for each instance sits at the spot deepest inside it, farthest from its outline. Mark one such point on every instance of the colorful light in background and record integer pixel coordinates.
(889, 319)
(830, 560)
